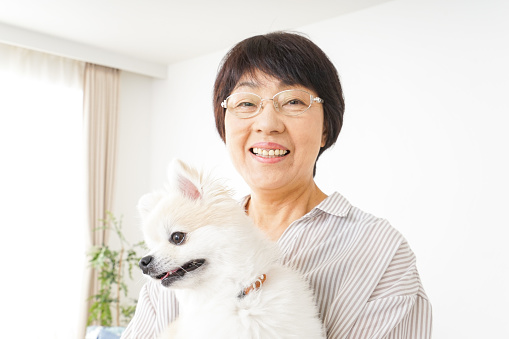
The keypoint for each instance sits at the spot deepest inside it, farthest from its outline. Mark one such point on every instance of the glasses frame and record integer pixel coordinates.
(224, 103)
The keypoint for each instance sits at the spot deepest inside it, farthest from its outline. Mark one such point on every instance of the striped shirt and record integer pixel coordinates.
(362, 270)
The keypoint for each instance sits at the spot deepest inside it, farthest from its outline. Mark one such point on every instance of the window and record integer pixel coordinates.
(42, 241)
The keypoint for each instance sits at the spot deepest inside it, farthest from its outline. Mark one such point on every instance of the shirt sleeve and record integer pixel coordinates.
(397, 308)
(142, 324)
(157, 307)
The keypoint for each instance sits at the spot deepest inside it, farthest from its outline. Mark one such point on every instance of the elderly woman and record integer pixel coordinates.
(278, 105)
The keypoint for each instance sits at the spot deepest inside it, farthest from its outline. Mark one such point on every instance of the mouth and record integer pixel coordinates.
(170, 277)
(269, 152)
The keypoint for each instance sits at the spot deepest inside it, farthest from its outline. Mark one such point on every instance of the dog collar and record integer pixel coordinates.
(254, 286)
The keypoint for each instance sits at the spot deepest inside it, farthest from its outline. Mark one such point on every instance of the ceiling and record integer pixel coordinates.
(167, 31)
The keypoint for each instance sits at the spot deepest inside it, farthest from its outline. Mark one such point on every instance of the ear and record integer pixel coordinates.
(148, 202)
(185, 179)
(324, 136)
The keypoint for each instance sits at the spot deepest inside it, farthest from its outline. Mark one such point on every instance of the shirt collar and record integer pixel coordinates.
(335, 204)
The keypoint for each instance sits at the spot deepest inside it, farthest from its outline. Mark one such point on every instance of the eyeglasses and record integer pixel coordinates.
(291, 102)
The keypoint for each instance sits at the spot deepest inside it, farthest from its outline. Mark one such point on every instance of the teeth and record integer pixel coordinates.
(269, 152)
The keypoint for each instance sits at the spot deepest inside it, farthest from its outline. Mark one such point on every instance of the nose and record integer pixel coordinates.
(269, 120)
(145, 263)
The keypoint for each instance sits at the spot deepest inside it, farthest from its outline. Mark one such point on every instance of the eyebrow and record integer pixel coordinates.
(253, 83)
(250, 84)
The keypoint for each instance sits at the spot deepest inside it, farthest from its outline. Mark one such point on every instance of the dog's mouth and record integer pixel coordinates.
(170, 277)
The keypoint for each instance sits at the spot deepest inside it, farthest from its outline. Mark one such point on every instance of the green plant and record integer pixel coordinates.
(111, 266)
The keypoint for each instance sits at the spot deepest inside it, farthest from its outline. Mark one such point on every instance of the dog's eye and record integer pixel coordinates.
(177, 238)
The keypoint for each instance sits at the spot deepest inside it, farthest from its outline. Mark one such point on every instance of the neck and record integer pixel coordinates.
(273, 212)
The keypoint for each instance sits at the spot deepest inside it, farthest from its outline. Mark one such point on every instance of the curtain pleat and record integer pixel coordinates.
(100, 110)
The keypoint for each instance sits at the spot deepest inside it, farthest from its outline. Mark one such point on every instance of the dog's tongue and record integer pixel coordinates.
(169, 273)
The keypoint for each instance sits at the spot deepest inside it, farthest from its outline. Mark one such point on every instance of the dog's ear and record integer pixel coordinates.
(148, 202)
(185, 179)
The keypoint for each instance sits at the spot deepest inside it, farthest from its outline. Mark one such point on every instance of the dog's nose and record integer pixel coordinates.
(145, 263)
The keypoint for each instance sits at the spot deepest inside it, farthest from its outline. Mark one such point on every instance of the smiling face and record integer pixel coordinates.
(272, 151)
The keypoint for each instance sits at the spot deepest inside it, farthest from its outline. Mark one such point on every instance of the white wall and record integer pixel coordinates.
(133, 157)
(423, 145)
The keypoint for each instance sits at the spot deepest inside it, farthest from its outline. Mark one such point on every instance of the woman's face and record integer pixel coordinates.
(300, 136)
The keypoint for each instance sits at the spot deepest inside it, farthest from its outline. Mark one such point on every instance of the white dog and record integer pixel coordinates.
(224, 271)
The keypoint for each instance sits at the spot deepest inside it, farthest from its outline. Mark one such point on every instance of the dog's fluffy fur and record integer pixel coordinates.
(221, 254)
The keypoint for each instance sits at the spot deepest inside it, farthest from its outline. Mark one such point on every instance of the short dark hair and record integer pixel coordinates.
(292, 58)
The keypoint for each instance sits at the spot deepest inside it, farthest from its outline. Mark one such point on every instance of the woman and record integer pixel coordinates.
(278, 105)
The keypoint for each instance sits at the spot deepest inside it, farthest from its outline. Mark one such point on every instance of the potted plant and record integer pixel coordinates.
(110, 306)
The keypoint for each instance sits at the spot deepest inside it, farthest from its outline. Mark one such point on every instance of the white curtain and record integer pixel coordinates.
(42, 194)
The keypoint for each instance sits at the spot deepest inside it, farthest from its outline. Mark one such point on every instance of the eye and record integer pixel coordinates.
(239, 103)
(292, 102)
(177, 238)
(295, 102)
(246, 104)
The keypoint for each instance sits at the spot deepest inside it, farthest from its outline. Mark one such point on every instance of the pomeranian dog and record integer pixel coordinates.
(224, 271)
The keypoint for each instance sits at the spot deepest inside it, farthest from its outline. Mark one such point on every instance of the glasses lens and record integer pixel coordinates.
(243, 105)
(293, 102)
